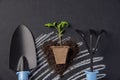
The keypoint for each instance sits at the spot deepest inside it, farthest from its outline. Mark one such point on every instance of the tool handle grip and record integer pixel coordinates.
(91, 75)
(23, 75)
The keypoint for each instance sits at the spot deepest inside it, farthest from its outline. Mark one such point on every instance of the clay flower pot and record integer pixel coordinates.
(60, 53)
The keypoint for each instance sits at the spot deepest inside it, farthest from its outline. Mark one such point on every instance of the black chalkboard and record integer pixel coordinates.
(81, 14)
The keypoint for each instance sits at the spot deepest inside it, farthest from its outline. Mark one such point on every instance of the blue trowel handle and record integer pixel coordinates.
(23, 75)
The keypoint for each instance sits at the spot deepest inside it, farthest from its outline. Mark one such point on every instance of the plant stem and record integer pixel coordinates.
(60, 39)
(59, 36)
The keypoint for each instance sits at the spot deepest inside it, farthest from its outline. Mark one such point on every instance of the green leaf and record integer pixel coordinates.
(54, 23)
(64, 23)
(49, 25)
(59, 26)
(62, 31)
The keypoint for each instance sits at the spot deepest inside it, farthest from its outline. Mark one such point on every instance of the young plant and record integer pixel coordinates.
(60, 27)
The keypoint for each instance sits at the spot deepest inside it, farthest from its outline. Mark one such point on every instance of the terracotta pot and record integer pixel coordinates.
(60, 53)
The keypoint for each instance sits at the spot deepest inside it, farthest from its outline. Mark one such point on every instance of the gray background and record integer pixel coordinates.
(82, 14)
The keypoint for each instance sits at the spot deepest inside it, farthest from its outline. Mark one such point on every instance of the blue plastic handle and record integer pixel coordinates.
(23, 75)
(91, 75)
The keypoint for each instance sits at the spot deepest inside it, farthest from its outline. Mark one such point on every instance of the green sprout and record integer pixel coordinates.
(60, 27)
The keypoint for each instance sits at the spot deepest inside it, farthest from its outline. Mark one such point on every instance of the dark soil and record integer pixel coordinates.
(60, 68)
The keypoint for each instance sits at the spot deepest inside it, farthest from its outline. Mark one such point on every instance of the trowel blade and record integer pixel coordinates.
(22, 50)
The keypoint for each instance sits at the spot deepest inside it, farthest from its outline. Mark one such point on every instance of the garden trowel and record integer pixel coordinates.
(22, 52)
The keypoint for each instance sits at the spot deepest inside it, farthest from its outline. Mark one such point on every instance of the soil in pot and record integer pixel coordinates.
(60, 68)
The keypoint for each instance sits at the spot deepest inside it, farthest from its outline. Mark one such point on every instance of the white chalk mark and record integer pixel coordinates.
(75, 59)
(65, 39)
(52, 38)
(56, 77)
(39, 70)
(41, 54)
(43, 57)
(45, 61)
(83, 55)
(41, 64)
(37, 78)
(43, 36)
(101, 67)
(78, 74)
(100, 76)
(41, 39)
(40, 50)
(46, 37)
(82, 63)
(80, 44)
(55, 39)
(37, 39)
(51, 72)
(81, 75)
(82, 52)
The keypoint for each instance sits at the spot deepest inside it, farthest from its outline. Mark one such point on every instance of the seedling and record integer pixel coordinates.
(60, 27)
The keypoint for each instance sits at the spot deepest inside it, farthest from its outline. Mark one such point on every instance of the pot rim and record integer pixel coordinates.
(59, 46)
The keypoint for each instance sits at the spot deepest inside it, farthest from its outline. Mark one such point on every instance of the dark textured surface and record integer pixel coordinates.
(82, 14)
